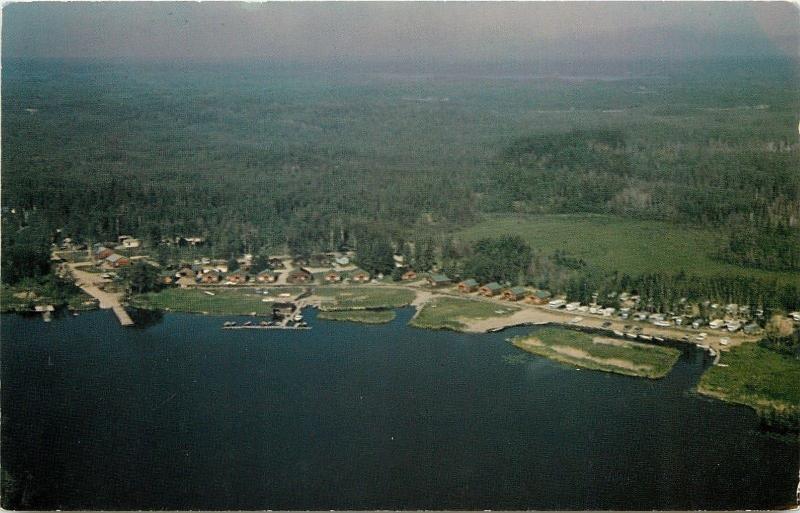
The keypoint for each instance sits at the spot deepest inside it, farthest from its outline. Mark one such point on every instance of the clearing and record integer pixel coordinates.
(454, 313)
(617, 244)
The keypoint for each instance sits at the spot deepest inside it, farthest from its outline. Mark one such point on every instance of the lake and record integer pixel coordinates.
(176, 413)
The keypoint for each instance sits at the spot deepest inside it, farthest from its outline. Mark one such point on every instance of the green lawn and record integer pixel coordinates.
(448, 313)
(224, 301)
(364, 296)
(757, 377)
(600, 353)
(364, 316)
(624, 245)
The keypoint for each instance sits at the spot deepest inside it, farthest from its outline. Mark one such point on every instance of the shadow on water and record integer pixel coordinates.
(143, 319)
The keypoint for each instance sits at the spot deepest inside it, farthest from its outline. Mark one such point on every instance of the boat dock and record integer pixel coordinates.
(122, 315)
(259, 327)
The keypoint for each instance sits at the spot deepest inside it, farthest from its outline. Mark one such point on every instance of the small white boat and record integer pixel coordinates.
(298, 317)
(645, 337)
(618, 333)
(209, 293)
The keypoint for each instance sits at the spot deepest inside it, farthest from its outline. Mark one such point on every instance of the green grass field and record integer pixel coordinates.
(757, 377)
(363, 316)
(600, 353)
(224, 301)
(448, 313)
(363, 296)
(617, 244)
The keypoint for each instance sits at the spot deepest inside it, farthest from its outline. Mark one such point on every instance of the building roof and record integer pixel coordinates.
(517, 291)
(114, 257)
(439, 277)
(470, 283)
(493, 286)
(542, 294)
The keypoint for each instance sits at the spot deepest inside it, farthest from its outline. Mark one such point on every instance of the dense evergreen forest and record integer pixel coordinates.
(262, 158)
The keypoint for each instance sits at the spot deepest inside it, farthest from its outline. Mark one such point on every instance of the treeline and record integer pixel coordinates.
(710, 182)
(775, 248)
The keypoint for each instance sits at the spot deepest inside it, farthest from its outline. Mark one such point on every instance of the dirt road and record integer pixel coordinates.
(90, 283)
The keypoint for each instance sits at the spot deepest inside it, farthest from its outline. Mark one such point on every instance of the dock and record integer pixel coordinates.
(122, 315)
(259, 327)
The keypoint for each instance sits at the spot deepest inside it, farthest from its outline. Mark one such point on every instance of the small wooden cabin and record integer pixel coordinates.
(490, 289)
(467, 286)
(514, 293)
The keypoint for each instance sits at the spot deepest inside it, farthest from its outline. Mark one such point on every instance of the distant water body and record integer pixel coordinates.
(178, 414)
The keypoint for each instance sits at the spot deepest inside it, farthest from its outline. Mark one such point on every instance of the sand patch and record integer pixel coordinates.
(610, 341)
(613, 362)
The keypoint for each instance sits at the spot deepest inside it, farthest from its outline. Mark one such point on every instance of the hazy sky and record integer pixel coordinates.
(398, 31)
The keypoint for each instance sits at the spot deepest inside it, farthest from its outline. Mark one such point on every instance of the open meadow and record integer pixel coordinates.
(626, 245)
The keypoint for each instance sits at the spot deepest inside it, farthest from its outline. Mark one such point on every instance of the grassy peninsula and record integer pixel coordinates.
(766, 380)
(600, 353)
(449, 313)
(362, 316)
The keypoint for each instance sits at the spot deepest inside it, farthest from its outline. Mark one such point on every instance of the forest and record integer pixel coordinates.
(262, 158)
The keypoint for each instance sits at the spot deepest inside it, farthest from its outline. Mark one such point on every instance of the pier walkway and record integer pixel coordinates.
(90, 283)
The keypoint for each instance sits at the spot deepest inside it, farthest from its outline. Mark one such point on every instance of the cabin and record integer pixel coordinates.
(117, 260)
(539, 297)
(342, 260)
(360, 277)
(409, 275)
(490, 289)
(210, 276)
(131, 243)
(237, 277)
(300, 276)
(514, 293)
(186, 281)
(438, 280)
(276, 263)
(267, 276)
(467, 286)
(102, 253)
(333, 277)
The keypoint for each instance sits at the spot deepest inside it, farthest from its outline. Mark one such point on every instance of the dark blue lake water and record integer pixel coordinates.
(180, 414)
